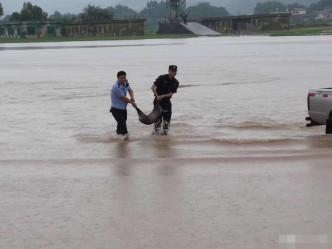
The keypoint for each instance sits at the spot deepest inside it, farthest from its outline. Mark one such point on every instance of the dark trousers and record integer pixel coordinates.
(121, 118)
(165, 118)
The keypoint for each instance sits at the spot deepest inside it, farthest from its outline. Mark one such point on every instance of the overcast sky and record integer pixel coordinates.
(76, 6)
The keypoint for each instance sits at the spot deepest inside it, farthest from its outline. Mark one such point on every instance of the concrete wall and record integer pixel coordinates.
(113, 28)
(172, 28)
(30, 29)
(49, 29)
(247, 24)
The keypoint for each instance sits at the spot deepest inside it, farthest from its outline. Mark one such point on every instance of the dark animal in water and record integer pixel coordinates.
(151, 117)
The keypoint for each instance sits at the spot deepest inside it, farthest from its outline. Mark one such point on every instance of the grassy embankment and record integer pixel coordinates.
(303, 32)
(153, 35)
(149, 35)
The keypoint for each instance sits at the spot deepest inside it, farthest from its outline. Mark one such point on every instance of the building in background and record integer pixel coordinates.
(298, 12)
(132, 27)
(41, 29)
(323, 15)
(248, 24)
(32, 29)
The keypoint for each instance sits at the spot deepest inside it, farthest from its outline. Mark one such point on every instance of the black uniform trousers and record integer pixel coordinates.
(121, 118)
(165, 117)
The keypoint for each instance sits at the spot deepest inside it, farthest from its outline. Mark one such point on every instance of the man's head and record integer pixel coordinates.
(122, 77)
(172, 70)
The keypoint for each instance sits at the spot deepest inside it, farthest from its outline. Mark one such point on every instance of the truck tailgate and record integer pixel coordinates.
(319, 104)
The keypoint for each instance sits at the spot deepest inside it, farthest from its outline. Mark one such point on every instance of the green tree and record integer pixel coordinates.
(67, 18)
(15, 17)
(38, 13)
(29, 12)
(70, 17)
(93, 13)
(1, 10)
(122, 12)
(269, 7)
(295, 5)
(204, 9)
(319, 6)
(154, 12)
(56, 15)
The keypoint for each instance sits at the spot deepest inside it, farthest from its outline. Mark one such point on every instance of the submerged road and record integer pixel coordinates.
(165, 203)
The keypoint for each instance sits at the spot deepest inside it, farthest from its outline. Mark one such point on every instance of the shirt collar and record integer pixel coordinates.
(119, 84)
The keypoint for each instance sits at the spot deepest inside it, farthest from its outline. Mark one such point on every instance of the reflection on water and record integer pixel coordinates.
(122, 150)
(164, 148)
(322, 141)
(123, 169)
(243, 97)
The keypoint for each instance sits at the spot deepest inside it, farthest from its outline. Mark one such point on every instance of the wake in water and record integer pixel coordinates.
(261, 126)
(84, 46)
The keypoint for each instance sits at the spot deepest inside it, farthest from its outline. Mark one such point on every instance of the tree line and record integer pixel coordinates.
(153, 13)
(273, 6)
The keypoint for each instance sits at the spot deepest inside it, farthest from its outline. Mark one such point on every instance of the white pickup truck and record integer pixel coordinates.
(320, 108)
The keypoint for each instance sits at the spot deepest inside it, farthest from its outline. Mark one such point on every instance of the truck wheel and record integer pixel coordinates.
(328, 129)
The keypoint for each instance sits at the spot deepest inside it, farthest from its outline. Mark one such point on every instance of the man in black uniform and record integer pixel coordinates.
(163, 89)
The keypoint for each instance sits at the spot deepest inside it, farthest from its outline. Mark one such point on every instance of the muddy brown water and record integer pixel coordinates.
(238, 170)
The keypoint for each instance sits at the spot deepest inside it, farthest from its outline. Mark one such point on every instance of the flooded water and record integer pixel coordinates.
(238, 169)
(237, 96)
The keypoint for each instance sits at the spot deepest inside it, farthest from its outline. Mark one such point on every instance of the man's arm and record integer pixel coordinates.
(173, 89)
(125, 99)
(131, 93)
(154, 90)
(169, 95)
(118, 93)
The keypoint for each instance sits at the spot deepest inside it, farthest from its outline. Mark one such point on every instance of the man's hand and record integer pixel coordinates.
(159, 98)
(134, 104)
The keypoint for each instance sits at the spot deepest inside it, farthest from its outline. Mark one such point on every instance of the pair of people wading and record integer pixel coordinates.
(163, 89)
